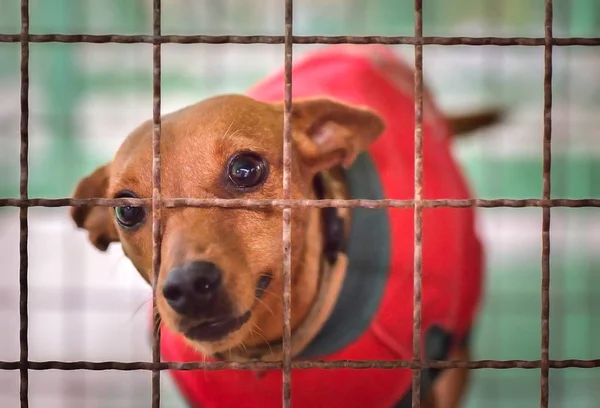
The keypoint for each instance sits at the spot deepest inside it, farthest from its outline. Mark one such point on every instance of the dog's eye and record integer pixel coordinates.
(247, 170)
(129, 217)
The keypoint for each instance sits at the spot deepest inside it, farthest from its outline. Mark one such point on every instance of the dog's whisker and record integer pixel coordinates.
(157, 322)
(252, 335)
(263, 337)
(275, 294)
(244, 347)
(227, 135)
(262, 302)
(137, 310)
(229, 128)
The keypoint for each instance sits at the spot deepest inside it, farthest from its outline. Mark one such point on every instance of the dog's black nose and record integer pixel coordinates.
(191, 289)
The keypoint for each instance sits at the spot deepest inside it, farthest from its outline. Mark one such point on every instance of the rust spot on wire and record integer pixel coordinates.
(547, 161)
(23, 220)
(156, 203)
(287, 212)
(308, 39)
(418, 208)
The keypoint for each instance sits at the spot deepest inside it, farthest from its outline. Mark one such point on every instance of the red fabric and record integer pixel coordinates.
(452, 255)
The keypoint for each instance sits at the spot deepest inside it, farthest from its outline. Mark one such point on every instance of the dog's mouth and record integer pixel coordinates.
(213, 330)
(216, 329)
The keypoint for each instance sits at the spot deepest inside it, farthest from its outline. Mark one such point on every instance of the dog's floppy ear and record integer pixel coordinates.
(330, 133)
(96, 220)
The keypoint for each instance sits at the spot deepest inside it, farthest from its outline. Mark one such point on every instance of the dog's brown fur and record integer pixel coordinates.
(196, 144)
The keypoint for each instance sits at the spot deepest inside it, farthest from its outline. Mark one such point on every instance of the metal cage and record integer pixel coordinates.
(418, 40)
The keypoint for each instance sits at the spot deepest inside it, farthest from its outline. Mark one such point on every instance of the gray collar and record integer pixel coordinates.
(368, 250)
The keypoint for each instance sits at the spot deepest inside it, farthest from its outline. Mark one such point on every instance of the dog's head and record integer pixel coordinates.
(221, 268)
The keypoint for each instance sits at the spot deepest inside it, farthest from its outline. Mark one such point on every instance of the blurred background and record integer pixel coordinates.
(85, 98)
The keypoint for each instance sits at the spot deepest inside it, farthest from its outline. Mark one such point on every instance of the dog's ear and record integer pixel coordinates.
(96, 220)
(330, 133)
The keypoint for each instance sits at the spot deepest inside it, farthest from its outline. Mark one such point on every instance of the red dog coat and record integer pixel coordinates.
(373, 318)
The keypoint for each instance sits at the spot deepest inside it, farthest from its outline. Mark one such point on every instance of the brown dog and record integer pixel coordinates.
(219, 285)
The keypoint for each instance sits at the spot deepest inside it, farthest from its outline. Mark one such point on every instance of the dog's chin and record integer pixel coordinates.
(216, 330)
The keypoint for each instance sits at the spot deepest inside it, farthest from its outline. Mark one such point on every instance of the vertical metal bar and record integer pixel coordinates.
(23, 211)
(156, 197)
(547, 152)
(287, 238)
(418, 215)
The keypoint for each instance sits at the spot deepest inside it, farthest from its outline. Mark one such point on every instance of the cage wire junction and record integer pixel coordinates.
(286, 203)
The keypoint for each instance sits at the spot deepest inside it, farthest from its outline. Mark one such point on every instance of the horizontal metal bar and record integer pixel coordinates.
(261, 365)
(280, 203)
(297, 39)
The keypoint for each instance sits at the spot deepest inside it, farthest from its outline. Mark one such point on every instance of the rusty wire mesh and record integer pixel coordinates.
(418, 203)
(418, 212)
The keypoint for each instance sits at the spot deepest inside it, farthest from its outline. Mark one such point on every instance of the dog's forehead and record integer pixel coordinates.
(198, 139)
(223, 119)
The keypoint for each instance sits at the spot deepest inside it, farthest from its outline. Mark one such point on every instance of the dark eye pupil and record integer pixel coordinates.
(246, 170)
(129, 216)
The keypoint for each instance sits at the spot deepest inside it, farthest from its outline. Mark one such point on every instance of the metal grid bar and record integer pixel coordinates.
(548, 41)
(156, 195)
(257, 203)
(287, 212)
(23, 212)
(418, 209)
(313, 39)
(546, 181)
(310, 364)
